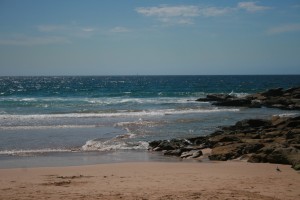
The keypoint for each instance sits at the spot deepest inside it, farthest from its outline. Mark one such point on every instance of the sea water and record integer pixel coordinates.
(71, 120)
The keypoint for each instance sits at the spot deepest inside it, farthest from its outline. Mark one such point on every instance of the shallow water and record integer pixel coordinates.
(96, 119)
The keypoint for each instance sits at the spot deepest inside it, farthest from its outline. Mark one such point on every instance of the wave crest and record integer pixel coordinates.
(113, 145)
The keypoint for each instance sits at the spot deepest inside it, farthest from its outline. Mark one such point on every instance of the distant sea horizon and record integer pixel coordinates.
(99, 75)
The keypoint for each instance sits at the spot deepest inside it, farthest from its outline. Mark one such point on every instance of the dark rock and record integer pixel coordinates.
(276, 102)
(292, 134)
(278, 155)
(255, 104)
(198, 140)
(296, 96)
(273, 92)
(273, 134)
(291, 90)
(258, 97)
(276, 98)
(166, 145)
(217, 133)
(275, 141)
(293, 124)
(253, 123)
(154, 144)
(215, 97)
(296, 166)
(173, 144)
(218, 97)
(233, 151)
(176, 152)
(223, 138)
(276, 120)
(191, 154)
(258, 158)
(234, 102)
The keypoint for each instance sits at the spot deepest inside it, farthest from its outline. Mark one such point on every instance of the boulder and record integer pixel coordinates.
(191, 154)
(238, 102)
(154, 144)
(223, 139)
(273, 92)
(165, 145)
(218, 97)
(160, 145)
(197, 140)
(224, 153)
(176, 152)
(275, 141)
(280, 155)
(292, 90)
(276, 98)
(253, 123)
(233, 151)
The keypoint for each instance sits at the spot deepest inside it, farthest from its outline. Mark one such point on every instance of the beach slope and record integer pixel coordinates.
(186, 180)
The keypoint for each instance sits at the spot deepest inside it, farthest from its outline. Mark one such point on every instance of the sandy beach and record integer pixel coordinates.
(153, 180)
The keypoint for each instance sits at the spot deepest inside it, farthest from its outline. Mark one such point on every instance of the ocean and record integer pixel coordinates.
(74, 120)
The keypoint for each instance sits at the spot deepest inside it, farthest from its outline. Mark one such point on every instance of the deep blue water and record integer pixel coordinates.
(45, 115)
(139, 86)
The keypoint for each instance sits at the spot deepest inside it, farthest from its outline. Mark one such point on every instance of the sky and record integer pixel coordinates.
(130, 37)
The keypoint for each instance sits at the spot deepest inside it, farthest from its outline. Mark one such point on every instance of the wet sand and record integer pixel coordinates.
(153, 180)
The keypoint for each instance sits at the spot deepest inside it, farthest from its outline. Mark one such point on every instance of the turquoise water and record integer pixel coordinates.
(43, 116)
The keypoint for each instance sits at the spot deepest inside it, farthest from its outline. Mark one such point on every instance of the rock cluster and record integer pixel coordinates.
(183, 148)
(274, 98)
(274, 141)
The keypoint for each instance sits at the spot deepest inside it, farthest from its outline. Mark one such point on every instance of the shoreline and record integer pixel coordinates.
(153, 180)
(257, 140)
(70, 159)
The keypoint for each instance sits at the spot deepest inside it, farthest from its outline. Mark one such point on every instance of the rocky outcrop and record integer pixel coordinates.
(178, 147)
(275, 141)
(274, 98)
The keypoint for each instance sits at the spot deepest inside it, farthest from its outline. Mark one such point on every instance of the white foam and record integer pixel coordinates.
(33, 151)
(238, 94)
(116, 114)
(46, 127)
(122, 100)
(113, 145)
(138, 123)
(287, 114)
(104, 100)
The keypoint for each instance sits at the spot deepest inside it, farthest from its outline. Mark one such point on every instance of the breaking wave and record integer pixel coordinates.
(31, 152)
(113, 145)
(117, 114)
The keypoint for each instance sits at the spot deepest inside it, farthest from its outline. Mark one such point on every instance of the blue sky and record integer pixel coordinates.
(129, 37)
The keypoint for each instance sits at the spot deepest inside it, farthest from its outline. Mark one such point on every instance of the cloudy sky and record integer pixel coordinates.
(129, 37)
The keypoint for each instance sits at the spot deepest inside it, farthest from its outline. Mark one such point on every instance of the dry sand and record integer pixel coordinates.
(150, 180)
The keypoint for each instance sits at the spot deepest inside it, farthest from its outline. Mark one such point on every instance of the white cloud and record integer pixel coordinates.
(183, 14)
(251, 6)
(88, 29)
(67, 30)
(119, 29)
(31, 41)
(169, 11)
(171, 15)
(51, 34)
(284, 29)
(214, 11)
